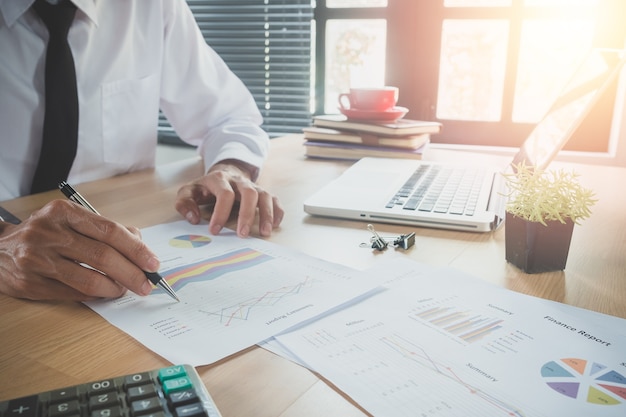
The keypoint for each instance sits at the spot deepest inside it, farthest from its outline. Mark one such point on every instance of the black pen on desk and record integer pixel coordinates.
(75, 196)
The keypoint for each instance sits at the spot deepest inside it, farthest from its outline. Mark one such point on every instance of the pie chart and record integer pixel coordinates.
(585, 380)
(190, 241)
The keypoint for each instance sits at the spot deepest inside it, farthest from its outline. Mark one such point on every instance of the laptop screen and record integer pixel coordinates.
(582, 91)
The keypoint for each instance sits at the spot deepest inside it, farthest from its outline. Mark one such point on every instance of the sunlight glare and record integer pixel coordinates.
(550, 51)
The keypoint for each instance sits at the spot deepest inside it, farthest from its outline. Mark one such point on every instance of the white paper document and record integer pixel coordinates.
(442, 343)
(234, 293)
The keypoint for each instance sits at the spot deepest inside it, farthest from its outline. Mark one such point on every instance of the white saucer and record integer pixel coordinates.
(390, 115)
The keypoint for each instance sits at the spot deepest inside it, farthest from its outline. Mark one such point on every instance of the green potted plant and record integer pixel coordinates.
(541, 211)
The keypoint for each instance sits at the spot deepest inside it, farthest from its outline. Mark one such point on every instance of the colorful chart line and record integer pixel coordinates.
(242, 310)
(213, 268)
(416, 354)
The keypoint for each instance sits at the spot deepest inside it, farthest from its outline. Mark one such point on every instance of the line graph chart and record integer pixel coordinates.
(242, 310)
(233, 293)
(416, 354)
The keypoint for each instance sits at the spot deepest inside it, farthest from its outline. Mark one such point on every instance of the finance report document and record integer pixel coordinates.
(234, 293)
(440, 343)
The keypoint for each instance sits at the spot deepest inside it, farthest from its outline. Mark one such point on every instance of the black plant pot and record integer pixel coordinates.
(533, 247)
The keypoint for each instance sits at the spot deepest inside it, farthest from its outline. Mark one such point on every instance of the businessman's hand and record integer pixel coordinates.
(227, 185)
(40, 259)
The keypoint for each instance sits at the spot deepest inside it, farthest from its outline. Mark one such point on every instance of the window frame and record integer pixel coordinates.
(416, 73)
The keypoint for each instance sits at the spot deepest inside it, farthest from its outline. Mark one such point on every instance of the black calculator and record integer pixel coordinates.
(175, 391)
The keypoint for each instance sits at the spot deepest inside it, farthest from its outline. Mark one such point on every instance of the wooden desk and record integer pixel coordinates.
(47, 345)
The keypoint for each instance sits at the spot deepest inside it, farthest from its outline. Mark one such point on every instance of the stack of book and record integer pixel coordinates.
(335, 136)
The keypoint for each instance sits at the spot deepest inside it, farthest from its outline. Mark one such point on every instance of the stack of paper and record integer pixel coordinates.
(441, 343)
(402, 339)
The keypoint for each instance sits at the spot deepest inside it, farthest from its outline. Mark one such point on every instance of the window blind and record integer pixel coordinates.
(267, 44)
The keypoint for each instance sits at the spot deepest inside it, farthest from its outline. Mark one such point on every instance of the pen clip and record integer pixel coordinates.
(75, 196)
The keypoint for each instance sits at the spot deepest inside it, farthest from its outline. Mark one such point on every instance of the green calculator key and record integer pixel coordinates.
(177, 384)
(172, 372)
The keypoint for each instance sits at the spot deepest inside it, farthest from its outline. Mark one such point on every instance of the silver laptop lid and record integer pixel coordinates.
(582, 91)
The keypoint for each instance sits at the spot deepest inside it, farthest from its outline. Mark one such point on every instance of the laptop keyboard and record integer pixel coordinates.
(440, 189)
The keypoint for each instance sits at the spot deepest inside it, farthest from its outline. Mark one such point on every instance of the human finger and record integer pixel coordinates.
(225, 197)
(270, 213)
(189, 199)
(248, 201)
(102, 244)
(116, 252)
(82, 285)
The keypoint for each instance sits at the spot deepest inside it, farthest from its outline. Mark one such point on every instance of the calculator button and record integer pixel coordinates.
(191, 410)
(23, 407)
(177, 384)
(61, 395)
(67, 408)
(146, 406)
(157, 414)
(108, 412)
(106, 399)
(178, 398)
(101, 386)
(137, 379)
(137, 393)
(171, 372)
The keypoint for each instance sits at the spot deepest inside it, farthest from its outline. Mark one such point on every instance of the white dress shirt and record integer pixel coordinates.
(132, 57)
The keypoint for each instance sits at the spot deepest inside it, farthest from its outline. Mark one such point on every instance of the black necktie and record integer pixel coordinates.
(60, 126)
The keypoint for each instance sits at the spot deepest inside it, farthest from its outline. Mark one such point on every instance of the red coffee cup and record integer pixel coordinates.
(376, 99)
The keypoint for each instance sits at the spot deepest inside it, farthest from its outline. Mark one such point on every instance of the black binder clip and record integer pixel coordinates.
(378, 242)
(405, 241)
(381, 243)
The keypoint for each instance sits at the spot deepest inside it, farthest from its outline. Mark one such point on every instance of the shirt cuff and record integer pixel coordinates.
(235, 151)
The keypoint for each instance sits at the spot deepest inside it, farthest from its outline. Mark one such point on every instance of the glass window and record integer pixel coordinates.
(487, 69)
(267, 43)
(476, 3)
(549, 52)
(472, 68)
(356, 3)
(552, 3)
(355, 57)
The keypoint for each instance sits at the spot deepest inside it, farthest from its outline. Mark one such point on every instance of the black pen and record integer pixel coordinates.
(75, 196)
(7, 216)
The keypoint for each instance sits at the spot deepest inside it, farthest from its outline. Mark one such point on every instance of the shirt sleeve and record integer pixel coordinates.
(206, 103)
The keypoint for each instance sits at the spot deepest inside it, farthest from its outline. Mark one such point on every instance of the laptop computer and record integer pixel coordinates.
(422, 193)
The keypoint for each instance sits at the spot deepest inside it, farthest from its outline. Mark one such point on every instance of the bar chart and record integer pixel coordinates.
(463, 324)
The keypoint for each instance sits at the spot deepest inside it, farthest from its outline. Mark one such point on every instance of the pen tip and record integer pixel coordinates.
(165, 286)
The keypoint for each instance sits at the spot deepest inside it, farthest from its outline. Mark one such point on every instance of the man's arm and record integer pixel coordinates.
(210, 107)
